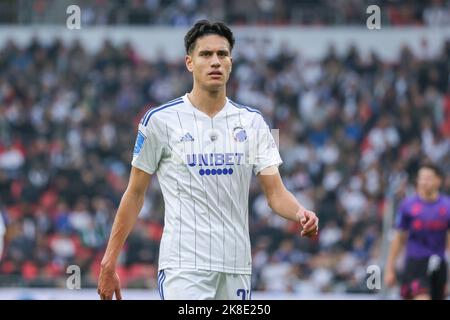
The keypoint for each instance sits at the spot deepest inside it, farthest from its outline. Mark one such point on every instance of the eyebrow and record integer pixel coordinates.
(218, 51)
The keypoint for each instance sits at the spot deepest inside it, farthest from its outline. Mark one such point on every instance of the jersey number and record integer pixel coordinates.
(242, 293)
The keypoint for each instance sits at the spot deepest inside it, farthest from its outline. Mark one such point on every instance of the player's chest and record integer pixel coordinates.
(208, 147)
(194, 135)
(430, 218)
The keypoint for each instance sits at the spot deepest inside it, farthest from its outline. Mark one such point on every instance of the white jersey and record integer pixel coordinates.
(204, 166)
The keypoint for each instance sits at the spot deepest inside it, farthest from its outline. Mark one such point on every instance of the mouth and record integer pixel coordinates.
(215, 74)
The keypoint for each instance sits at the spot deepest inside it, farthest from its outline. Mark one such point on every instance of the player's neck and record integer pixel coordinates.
(428, 196)
(208, 102)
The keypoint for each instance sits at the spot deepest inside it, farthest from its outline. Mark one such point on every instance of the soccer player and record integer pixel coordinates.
(423, 224)
(203, 147)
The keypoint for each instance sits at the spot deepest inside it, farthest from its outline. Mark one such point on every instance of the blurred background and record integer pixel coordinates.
(357, 110)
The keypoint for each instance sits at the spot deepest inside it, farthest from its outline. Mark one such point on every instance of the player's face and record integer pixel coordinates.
(428, 181)
(210, 62)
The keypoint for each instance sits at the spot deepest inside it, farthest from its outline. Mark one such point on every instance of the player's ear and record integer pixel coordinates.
(188, 61)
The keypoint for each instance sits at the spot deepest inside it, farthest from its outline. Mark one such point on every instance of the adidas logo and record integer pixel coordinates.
(187, 137)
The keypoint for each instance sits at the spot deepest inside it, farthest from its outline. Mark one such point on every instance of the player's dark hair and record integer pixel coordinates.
(203, 28)
(433, 168)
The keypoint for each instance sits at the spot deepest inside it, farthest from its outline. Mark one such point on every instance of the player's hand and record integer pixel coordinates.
(108, 284)
(390, 278)
(309, 223)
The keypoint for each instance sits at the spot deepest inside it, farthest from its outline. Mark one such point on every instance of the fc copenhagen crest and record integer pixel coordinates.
(239, 134)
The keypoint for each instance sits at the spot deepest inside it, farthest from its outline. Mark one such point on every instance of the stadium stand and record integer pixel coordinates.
(349, 127)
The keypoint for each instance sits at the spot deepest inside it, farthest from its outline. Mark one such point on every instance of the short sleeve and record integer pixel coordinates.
(403, 219)
(265, 149)
(148, 149)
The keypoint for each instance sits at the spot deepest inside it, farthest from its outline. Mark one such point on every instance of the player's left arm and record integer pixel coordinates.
(283, 202)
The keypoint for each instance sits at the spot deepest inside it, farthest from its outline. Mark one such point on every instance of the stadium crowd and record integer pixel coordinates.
(351, 130)
(259, 12)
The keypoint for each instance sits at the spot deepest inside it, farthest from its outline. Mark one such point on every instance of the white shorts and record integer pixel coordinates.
(183, 284)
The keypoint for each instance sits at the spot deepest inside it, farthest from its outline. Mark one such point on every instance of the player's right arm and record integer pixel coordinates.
(396, 248)
(129, 208)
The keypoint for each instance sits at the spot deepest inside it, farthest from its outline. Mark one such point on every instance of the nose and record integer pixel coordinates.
(215, 62)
